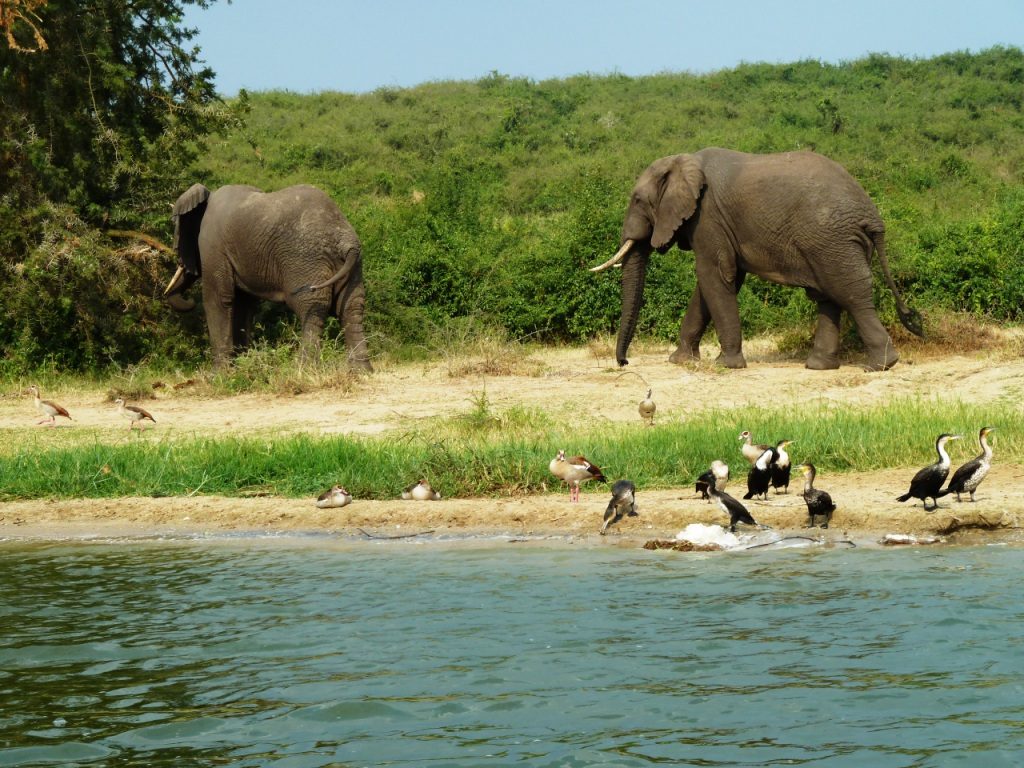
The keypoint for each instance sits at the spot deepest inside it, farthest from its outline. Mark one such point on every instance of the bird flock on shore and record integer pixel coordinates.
(770, 468)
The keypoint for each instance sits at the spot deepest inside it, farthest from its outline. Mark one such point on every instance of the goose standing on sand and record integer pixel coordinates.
(574, 471)
(133, 413)
(927, 483)
(819, 503)
(735, 510)
(421, 491)
(759, 478)
(647, 408)
(751, 451)
(48, 408)
(781, 467)
(719, 473)
(335, 497)
(623, 503)
(968, 477)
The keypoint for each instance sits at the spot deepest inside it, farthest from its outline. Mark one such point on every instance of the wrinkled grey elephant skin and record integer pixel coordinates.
(293, 246)
(795, 218)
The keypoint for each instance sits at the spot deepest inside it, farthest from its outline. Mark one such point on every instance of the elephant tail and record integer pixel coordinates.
(341, 274)
(910, 318)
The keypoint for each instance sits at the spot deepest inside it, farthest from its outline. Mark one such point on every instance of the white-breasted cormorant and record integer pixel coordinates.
(819, 503)
(735, 510)
(574, 471)
(759, 478)
(719, 472)
(623, 503)
(927, 483)
(781, 467)
(968, 477)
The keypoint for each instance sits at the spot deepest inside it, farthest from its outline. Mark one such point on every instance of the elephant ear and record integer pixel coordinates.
(187, 215)
(682, 184)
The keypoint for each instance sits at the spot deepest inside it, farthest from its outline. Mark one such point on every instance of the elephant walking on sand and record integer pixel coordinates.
(794, 218)
(293, 246)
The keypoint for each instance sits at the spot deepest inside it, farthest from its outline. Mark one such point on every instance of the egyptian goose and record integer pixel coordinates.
(133, 413)
(719, 473)
(48, 408)
(335, 497)
(751, 452)
(574, 471)
(421, 491)
(647, 408)
(623, 503)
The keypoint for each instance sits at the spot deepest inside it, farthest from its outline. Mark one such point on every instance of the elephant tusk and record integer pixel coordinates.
(174, 280)
(616, 258)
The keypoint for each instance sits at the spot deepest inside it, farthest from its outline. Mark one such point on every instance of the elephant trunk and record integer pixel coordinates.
(634, 275)
(175, 289)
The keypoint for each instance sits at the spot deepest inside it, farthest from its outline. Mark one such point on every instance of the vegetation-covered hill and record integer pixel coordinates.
(481, 203)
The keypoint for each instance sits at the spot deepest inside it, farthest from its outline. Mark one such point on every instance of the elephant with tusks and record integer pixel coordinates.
(793, 218)
(293, 246)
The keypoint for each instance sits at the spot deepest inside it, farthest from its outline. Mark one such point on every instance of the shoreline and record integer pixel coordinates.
(866, 512)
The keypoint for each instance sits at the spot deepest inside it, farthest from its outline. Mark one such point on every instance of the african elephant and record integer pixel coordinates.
(292, 246)
(794, 218)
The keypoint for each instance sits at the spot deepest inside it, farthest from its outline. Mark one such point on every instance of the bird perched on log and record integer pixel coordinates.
(780, 467)
(719, 472)
(819, 503)
(647, 408)
(623, 503)
(421, 491)
(574, 471)
(751, 451)
(927, 483)
(968, 477)
(49, 409)
(734, 509)
(759, 478)
(335, 497)
(133, 413)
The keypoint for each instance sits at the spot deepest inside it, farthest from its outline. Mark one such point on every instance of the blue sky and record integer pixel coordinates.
(355, 47)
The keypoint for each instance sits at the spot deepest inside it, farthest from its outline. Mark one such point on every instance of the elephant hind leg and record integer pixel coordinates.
(352, 307)
(825, 353)
(882, 354)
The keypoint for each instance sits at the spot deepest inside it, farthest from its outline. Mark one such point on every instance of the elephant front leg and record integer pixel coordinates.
(691, 330)
(720, 296)
(825, 353)
(219, 308)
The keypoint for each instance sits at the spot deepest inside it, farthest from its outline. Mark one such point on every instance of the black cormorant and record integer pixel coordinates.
(623, 503)
(735, 510)
(969, 476)
(927, 483)
(719, 472)
(759, 478)
(818, 502)
(780, 467)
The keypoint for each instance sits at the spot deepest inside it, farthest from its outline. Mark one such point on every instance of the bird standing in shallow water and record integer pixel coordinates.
(421, 491)
(133, 413)
(719, 473)
(968, 477)
(751, 451)
(927, 483)
(335, 497)
(623, 503)
(759, 478)
(735, 510)
(574, 471)
(818, 502)
(781, 467)
(647, 408)
(48, 408)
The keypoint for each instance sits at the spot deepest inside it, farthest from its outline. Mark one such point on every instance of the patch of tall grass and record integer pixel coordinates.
(499, 454)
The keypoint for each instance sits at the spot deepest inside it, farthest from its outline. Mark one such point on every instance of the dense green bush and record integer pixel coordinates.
(485, 201)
